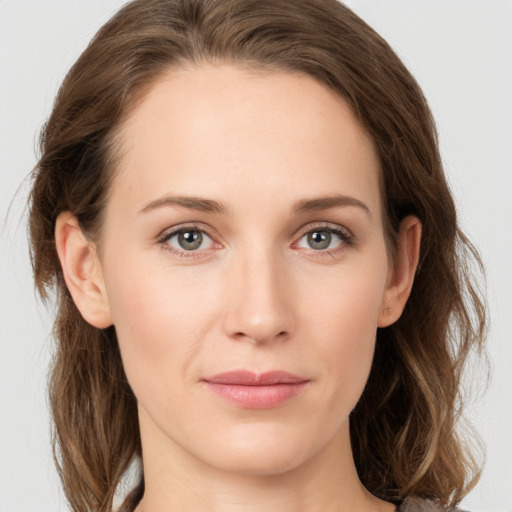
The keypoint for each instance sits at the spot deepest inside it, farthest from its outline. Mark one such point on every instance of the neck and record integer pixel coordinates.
(177, 480)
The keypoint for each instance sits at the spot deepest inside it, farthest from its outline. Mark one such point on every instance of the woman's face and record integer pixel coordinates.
(244, 233)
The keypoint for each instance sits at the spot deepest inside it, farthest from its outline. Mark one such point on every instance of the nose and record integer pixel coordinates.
(259, 297)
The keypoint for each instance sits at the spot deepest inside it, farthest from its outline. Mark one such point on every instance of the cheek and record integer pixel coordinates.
(160, 318)
(343, 321)
(347, 300)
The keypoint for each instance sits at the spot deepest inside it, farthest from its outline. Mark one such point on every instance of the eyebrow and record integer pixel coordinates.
(327, 202)
(211, 206)
(194, 203)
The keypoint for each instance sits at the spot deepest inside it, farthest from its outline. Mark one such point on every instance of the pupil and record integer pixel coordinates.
(190, 240)
(319, 239)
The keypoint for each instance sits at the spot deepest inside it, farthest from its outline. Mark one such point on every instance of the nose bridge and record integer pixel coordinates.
(260, 307)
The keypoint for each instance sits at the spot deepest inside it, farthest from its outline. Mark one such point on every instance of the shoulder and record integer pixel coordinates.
(422, 505)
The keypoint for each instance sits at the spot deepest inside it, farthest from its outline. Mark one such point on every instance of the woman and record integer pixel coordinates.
(262, 296)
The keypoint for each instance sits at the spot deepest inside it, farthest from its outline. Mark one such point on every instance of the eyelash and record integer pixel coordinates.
(345, 236)
(164, 238)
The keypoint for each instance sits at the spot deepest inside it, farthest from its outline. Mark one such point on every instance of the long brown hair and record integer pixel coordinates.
(402, 429)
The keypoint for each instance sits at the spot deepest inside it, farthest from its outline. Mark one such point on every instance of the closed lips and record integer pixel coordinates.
(256, 391)
(246, 378)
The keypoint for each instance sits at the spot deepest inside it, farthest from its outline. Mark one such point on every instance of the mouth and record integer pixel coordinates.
(256, 391)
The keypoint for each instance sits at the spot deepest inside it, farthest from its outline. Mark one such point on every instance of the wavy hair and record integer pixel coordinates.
(403, 428)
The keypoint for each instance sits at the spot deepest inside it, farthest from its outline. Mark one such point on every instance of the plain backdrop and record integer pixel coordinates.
(460, 51)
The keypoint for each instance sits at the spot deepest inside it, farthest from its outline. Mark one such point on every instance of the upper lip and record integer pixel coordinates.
(247, 378)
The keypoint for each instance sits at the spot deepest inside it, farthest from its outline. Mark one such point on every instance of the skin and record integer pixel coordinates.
(255, 295)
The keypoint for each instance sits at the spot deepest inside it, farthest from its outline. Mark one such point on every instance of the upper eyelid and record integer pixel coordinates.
(169, 232)
(328, 226)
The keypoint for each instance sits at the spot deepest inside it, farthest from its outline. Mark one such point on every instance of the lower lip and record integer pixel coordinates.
(257, 397)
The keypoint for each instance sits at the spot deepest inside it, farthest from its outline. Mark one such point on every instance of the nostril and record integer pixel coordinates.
(260, 338)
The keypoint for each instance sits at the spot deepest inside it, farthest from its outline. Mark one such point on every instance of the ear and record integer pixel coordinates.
(402, 271)
(82, 271)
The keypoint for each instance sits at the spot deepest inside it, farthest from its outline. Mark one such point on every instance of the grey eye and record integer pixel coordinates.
(190, 240)
(319, 239)
(324, 239)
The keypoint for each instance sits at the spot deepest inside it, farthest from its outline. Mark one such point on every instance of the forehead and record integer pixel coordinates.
(211, 130)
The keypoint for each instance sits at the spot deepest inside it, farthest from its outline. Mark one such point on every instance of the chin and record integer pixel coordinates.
(262, 452)
(257, 462)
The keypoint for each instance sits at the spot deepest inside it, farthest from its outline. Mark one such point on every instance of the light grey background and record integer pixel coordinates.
(461, 53)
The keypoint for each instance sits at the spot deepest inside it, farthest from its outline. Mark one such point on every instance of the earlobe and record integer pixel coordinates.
(82, 271)
(402, 271)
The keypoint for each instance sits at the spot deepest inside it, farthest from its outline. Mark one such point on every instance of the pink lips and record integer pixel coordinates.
(256, 391)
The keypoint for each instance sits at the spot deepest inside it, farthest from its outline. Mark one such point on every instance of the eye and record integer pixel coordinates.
(325, 239)
(187, 240)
